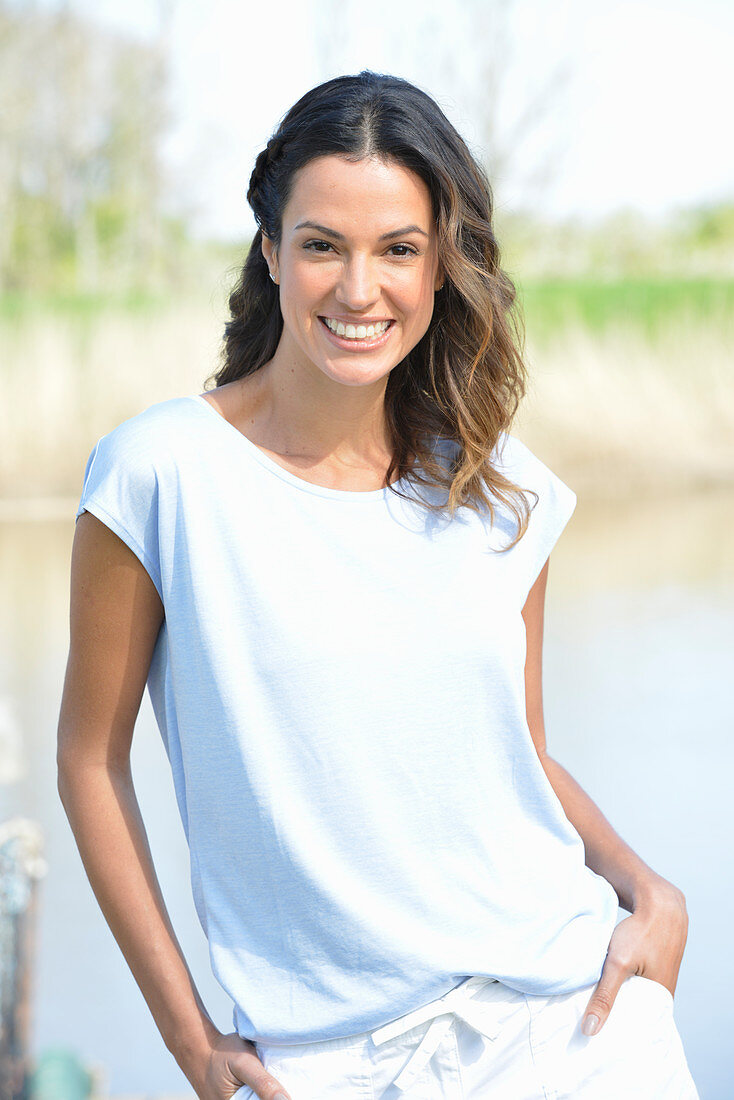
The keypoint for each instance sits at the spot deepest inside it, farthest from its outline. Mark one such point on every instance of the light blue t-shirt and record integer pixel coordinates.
(339, 684)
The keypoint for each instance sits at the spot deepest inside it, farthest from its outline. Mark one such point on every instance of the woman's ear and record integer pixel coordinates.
(268, 251)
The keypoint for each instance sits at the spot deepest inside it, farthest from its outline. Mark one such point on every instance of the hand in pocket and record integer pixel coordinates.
(649, 943)
(233, 1071)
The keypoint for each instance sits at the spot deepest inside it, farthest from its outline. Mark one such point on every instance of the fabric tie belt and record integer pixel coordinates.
(486, 1017)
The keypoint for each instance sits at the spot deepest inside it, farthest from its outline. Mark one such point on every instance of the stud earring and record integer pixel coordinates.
(273, 278)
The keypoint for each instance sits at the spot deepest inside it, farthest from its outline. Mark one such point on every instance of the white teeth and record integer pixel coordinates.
(357, 332)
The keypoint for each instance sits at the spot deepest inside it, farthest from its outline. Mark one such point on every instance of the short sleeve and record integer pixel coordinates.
(550, 513)
(121, 489)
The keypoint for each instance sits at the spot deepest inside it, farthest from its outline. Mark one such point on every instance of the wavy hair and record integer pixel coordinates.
(463, 381)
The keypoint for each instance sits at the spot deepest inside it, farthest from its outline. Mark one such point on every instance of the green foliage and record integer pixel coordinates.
(688, 243)
(709, 226)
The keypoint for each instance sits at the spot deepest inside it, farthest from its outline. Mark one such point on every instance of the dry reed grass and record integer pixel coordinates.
(610, 412)
(618, 415)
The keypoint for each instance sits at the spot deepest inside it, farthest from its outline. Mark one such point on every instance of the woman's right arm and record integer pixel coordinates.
(116, 614)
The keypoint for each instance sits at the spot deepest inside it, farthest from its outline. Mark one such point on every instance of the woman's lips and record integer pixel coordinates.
(358, 345)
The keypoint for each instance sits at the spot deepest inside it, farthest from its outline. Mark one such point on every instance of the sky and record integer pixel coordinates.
(577, 108)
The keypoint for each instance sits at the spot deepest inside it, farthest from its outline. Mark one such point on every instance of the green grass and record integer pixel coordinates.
(646, 305)
(83, 307)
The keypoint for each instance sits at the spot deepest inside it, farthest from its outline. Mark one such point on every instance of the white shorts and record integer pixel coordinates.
(484, 1040)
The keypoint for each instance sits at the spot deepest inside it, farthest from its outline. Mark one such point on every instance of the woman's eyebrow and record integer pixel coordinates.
(340, 236)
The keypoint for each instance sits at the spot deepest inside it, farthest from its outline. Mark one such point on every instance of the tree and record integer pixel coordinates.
(83, 112)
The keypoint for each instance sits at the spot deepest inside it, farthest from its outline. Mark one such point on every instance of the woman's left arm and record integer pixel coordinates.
(652, 940)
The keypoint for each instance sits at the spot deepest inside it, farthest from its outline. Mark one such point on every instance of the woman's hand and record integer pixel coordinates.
(232, 1062)
(649, 942)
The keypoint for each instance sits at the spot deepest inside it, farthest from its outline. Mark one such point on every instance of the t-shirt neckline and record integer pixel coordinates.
(286, 475)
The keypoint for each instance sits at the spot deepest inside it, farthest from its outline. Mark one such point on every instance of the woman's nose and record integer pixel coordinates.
(359, 284)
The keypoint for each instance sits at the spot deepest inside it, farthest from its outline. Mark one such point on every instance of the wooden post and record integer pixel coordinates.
(21, 865)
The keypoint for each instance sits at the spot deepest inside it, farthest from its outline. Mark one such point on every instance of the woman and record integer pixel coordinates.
(330, 570)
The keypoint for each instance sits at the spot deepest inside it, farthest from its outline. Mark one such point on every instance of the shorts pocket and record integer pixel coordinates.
(330, 1069)
(653, 987)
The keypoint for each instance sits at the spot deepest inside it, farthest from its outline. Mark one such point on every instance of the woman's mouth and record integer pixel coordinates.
(357, 337)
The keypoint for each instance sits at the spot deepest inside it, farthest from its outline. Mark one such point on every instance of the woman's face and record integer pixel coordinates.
(368, 256)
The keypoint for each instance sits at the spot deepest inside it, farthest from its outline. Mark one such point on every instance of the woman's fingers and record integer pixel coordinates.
(233, 1071)
(264, 1086)
(248, 1068)
(602, 999)
(263, 1090)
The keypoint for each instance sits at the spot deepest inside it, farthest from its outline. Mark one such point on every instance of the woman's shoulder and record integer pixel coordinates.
(507, 453)
(514, 459)
(151, 433)
(556, 500)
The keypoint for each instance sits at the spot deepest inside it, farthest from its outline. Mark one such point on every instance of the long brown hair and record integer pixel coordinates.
(465, 378)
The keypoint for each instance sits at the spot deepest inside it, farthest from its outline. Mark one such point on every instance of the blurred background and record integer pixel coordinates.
(128, 132)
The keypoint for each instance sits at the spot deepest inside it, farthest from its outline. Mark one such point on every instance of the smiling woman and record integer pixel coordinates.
(402, 891)
(388, 194)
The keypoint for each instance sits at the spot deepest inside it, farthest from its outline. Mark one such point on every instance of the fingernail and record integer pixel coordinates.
(589, 1026)
(281, 1096)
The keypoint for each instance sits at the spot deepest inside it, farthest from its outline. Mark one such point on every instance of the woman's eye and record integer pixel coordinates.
(407, 250)
(312, 245)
